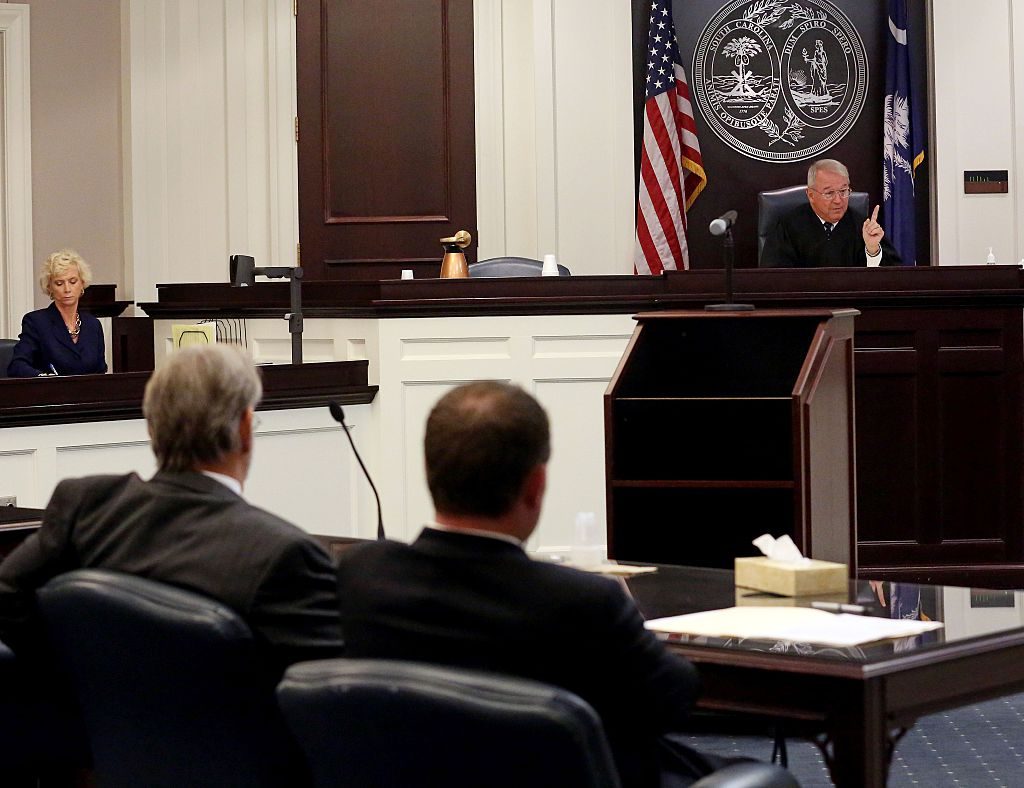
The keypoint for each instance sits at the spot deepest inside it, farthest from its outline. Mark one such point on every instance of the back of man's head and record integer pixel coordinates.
(194, 402)
(483, 440)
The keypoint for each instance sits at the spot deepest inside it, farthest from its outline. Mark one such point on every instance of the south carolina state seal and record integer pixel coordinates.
(780, 80)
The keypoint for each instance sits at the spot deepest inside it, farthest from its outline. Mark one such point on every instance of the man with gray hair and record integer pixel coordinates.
(825, 233)
(189, 525)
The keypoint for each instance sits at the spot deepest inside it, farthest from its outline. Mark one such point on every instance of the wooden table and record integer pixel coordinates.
(855, 703)
(16, 523)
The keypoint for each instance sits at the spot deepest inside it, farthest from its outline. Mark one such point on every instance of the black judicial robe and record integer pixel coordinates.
(799, 241)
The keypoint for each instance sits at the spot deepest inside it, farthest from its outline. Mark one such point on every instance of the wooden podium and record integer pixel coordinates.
(721, 426)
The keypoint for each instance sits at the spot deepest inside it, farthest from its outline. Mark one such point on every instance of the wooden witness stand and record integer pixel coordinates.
(721, 426)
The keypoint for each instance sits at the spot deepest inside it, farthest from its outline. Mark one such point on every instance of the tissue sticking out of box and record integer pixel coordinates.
(781, 549)
(783, 570)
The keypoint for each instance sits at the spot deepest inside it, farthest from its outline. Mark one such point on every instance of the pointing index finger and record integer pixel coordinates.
(874, 214)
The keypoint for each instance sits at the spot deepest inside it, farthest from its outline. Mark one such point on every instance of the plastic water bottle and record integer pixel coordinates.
(588, 548)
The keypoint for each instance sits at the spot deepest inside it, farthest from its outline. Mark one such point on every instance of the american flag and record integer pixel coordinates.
(671, 168)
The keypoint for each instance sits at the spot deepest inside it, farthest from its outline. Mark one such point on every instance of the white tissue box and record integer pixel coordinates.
(792, 579)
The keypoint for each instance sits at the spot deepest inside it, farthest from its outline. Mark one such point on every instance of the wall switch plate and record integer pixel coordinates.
(8, 500)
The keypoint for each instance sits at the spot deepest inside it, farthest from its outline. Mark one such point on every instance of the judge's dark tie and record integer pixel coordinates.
(828, 230)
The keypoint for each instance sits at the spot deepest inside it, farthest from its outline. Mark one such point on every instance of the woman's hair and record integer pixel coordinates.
(58, 264)
(194, 401)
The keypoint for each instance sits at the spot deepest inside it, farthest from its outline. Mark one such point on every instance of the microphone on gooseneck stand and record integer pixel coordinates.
(722, 223)
(338, 414)
(723, 226)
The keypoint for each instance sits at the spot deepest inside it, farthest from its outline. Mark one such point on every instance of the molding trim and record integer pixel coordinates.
(489, 97)
(16, 160)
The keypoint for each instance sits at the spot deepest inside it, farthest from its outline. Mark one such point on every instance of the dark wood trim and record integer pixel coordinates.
(35, 401)
(100, 301)
(937, 287)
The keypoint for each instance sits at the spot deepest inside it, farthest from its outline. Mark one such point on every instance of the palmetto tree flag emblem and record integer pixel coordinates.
(903, 139)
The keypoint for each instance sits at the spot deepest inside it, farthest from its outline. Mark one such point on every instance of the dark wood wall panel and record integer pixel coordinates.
(971, 415)
(939, 465)
(386, 143)
(386, 89)
(887, 463)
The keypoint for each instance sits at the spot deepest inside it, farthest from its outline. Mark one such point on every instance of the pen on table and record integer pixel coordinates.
(840, 607)
(53, 369)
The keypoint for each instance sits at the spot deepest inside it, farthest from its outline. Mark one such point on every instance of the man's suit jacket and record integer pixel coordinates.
(799, 241)
(188, 530)
(477, 602)
(45, 340)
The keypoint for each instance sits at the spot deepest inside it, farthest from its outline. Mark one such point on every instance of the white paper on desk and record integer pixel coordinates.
(792, 624)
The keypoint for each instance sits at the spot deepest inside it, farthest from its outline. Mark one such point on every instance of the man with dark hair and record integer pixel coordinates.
(466, 594)
(189, 525)
(825, 233)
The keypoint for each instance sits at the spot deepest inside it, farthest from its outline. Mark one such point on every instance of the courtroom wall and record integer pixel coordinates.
(555, 131)
(205, 150)
(979, 102)
(76, 133)
(209, 138)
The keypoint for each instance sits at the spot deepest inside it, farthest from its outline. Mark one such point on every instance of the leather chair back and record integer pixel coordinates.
(772, 205)
(511, 266)
(6, 354)
(393, 724)
(172, 686)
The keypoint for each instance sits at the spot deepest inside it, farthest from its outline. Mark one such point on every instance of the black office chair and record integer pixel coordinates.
(772, 205)
(6, 354)
(511, 266)
(392, 724)
(42, 737)
(173, 687)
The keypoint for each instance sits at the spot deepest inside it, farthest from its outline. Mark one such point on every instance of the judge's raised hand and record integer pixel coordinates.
(873, 233)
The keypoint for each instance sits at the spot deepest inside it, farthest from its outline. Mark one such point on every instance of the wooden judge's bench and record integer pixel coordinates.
(939, 356)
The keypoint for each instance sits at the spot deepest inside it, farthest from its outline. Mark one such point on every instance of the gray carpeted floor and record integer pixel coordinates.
(972, 747)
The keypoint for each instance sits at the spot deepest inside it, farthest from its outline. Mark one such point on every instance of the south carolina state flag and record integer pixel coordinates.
(903, 139)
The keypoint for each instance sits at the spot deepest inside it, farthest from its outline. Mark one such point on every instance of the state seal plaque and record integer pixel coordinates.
(780, 80)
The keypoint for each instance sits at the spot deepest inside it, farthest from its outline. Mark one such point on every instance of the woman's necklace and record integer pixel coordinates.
(76, 328)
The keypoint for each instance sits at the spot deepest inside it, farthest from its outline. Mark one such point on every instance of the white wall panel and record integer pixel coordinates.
(114, 457)
(16, 279)
(576, 472)
(303, 471)
(209, 137)
(19, 477)
(34, 459)
(977, 111)
(565, 360)
(302, 467)
(563, 151)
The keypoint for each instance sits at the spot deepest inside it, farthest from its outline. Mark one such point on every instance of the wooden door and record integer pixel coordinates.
(386, 134)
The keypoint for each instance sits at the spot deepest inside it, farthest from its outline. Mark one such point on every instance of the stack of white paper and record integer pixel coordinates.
(791, 624)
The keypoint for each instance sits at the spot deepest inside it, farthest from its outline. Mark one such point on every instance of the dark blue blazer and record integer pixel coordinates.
(45, 340)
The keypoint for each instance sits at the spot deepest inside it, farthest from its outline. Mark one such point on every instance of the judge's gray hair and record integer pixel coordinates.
(194, 402)
(828, 165)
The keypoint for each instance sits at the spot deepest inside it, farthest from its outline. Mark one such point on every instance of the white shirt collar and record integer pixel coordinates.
(476, 532)
(228, 481)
